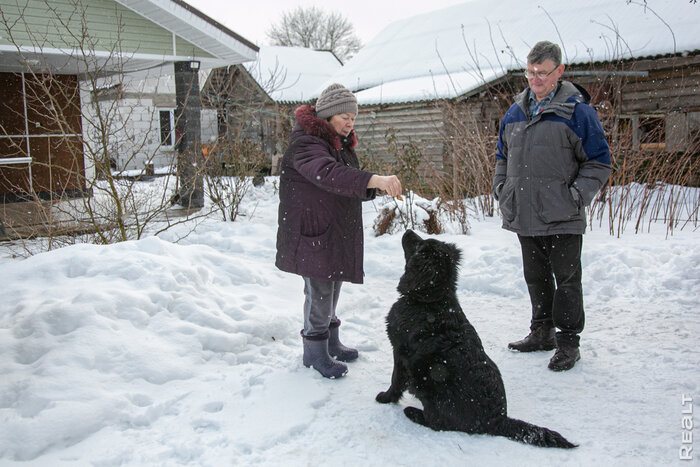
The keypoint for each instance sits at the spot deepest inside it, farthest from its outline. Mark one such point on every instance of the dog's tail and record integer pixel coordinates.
(528, 433)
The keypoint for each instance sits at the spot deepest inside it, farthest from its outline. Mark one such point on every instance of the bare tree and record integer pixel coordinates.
(251, 127)
(314, 28)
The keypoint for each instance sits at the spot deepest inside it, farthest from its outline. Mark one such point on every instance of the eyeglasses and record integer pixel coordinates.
(529, 74)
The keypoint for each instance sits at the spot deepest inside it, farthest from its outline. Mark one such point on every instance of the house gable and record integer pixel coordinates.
(59, 25)
(118, 36)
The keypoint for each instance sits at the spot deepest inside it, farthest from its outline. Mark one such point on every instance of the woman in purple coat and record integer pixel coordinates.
(320, 233)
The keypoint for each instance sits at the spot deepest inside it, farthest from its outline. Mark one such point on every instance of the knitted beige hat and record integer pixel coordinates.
(335, 99)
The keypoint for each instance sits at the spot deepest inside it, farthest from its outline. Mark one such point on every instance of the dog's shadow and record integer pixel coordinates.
(438, 355)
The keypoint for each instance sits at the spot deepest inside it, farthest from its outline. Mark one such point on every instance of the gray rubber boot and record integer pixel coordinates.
(316, 356)
(336, 348)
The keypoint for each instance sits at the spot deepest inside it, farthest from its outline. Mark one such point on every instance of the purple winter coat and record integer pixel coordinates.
(320, 232)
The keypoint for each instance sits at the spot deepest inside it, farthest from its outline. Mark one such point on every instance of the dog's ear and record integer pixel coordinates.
(431, 269)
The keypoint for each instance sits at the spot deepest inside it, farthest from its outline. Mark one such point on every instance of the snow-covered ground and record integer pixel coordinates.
(153, 352)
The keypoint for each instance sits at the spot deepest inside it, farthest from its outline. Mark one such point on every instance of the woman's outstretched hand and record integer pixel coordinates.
(389, 183)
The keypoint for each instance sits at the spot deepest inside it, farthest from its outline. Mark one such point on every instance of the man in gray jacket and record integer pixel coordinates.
(552, 159)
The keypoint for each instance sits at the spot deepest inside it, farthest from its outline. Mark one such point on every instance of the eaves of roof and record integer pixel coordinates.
(194, 26)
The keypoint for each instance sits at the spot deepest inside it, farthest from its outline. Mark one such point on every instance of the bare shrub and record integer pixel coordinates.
(648, 186)
(410, 211)
(231, 170)
(384, 222)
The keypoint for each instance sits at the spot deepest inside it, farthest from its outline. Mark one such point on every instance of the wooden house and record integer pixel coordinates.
(423, 77)
(55, 58)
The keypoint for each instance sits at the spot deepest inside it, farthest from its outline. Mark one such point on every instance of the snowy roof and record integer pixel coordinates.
(292, 74)
(451, 51)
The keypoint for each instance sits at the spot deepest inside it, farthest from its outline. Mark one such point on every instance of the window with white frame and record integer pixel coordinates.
(167, 128)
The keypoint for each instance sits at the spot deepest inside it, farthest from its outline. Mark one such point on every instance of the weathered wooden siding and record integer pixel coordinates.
(418, 124)
(673, 84)
(661, 95)
(59, 25)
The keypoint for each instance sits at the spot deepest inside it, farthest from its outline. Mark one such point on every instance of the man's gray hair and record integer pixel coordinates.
(545, 50)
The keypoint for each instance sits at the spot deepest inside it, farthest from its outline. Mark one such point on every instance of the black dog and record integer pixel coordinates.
(438, 355)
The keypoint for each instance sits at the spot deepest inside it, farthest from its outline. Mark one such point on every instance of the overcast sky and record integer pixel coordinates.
(252, 18)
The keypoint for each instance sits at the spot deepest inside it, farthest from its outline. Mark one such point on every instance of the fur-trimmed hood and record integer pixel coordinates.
(309, 123)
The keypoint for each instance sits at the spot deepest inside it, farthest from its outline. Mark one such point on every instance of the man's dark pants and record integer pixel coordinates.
(552, 269)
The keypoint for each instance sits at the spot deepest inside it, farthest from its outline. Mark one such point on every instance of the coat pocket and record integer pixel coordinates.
(316, 256)
(555, 203)
(506, 200)
(316, 242)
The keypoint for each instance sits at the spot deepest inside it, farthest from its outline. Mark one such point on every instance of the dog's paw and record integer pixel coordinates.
(415, 415)
(386, 397)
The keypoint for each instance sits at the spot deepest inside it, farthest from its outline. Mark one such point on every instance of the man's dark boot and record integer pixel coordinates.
(540, 338)
(564, 358)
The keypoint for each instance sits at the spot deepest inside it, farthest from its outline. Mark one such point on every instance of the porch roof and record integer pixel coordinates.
(185, 33)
